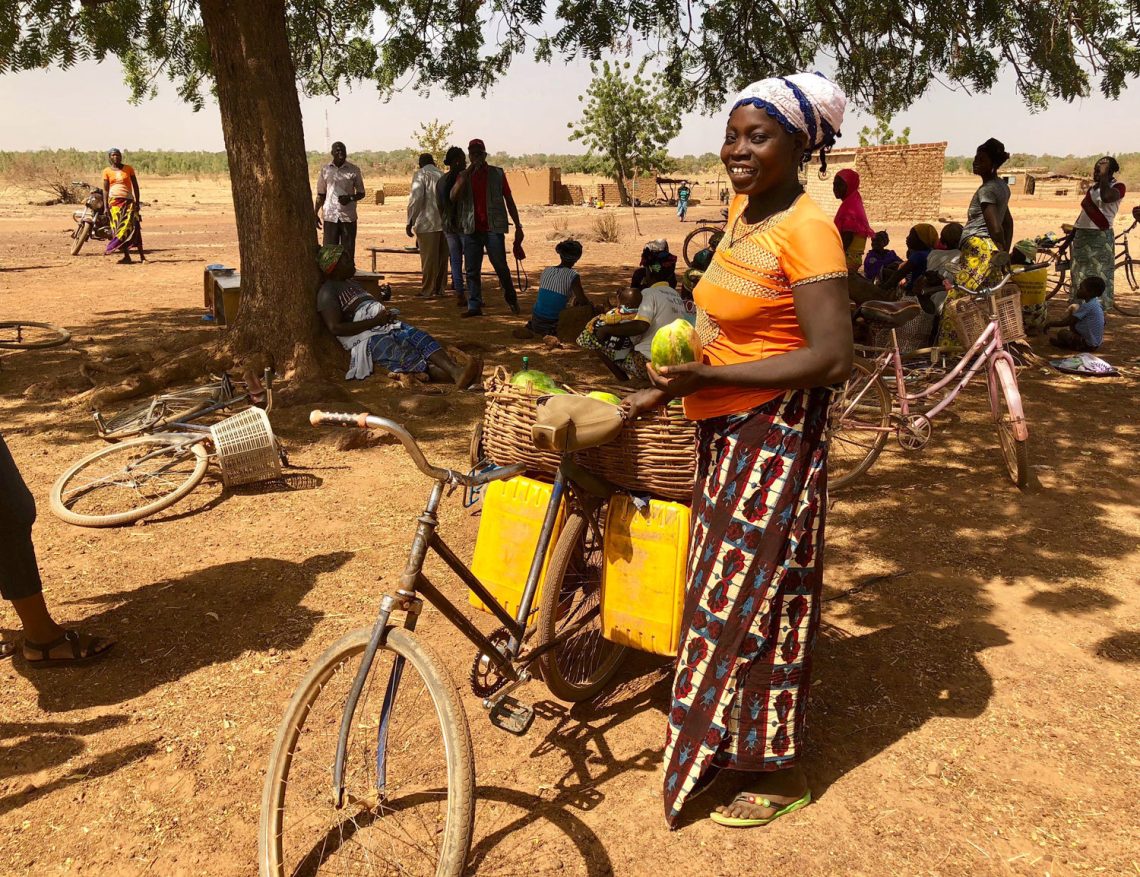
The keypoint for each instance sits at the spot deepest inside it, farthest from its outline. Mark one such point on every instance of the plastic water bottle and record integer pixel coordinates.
(526, 363)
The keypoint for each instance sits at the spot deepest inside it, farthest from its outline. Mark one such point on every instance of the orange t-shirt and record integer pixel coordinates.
(745, 304)
(120, 180)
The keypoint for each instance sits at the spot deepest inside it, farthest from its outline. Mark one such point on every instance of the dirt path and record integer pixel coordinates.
(976, 683)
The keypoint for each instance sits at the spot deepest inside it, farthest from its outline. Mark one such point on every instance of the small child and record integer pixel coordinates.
(879, 257)
(614, 348)
(1084, 320)
(558, 286)
(946, 257)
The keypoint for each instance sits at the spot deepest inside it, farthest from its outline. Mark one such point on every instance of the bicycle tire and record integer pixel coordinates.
(579, 668)
(81, 237)
(157, 410)
(306, 718)
(849, 455)
(475, 450)
(706, 232)
(65, 494)
(1014, 451)
(57, 337)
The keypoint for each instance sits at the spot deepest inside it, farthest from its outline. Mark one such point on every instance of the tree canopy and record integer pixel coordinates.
(626, 122)
(886, 53)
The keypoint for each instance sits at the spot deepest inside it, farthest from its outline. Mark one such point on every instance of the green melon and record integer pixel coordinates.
(674, 344)
(605, 397)
(533, 380)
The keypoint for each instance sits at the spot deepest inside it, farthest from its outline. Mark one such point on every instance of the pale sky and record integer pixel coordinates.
(526, 112)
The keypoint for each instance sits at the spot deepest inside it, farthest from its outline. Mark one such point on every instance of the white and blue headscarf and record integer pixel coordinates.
(805, 102)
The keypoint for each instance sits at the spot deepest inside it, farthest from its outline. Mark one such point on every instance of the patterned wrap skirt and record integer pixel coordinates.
(1094, 255)
(403, 349)
(755, 573)
(126, 228)
(978, 267)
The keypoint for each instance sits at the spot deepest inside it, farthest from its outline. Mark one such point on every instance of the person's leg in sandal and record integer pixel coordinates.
(769, 797)
(20, 576)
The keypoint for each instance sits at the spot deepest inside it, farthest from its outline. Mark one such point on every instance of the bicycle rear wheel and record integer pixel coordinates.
(580, 666)
(123, 483)
(1014, 451)
(25, 335)
(157, 411)
(697, 240)
(858, 425)
(420, 821)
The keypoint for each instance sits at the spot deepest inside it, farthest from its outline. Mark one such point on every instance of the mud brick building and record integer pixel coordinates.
(898, 183)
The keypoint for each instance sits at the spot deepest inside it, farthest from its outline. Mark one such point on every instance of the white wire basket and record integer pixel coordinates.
(247, 451)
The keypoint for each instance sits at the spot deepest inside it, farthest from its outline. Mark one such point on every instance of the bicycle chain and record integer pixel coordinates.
(486, 681)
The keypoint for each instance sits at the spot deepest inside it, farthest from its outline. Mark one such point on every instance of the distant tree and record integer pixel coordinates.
(952, 164)
(626, 123)
(883, 134)
(434, 137)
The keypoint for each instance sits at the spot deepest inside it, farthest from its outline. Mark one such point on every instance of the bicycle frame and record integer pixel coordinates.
(415, 586)
(987, 349)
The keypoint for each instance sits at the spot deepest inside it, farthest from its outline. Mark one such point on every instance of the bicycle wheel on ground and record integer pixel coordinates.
(157, 411)
(858, 425)
(1006, 404)
(418, 818)
(25, 335)
(475, 449)
(697, 240)
(123, 483)
(581, 665)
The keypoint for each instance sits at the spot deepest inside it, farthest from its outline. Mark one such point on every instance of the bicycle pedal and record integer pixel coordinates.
(512, 715)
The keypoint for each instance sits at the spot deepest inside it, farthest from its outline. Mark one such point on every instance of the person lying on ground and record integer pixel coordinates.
(1083, 321)
(879, 257)
(558, 286)
(373, 334)
(46, 643)
(944, 257)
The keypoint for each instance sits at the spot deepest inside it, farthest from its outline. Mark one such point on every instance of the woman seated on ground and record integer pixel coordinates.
(944, 257)
(660, 304)
(920, 242)
(851, 218)
(657, 264)
(372, 333)
(558, 286)
(1031, 280)
(605, 333)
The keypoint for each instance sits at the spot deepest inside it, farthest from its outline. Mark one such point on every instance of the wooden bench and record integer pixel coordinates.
(392, 251)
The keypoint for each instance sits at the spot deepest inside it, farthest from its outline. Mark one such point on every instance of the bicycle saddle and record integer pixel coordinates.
(890, 313)
(574, 423)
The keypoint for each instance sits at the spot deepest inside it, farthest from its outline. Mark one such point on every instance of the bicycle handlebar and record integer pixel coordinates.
(369, 421)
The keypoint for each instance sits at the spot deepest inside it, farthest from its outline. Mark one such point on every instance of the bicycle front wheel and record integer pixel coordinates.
(570, 611)
(858, 425)
(1014, 451)
(415, 818)
(123, 483)
(25, 335)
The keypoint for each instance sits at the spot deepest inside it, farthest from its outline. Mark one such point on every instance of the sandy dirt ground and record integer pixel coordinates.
(976, 682)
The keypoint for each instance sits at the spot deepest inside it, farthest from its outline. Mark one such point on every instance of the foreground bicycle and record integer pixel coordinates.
(861, 414)
(372, 770)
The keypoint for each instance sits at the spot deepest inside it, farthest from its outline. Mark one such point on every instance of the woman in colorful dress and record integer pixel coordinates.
(987, 235)
(851, 218)
(1094, 242)
(121, 195)
(774, 320)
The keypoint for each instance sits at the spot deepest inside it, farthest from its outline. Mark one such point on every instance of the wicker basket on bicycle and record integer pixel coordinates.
(970, 316)
(655, 454)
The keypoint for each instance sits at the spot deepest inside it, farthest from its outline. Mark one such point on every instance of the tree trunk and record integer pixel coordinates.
(623, 192)
(269, 175)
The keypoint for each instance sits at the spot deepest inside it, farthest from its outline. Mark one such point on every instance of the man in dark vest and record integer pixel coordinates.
(483, 201)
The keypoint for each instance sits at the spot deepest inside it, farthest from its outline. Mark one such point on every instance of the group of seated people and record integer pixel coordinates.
(620, 336)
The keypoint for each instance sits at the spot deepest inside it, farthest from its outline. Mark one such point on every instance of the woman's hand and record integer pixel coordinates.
(642, 402)
(679, 380)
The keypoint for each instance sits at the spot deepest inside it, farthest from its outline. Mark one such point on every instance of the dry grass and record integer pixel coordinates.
(606, 229)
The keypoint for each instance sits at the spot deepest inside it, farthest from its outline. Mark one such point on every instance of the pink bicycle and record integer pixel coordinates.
(862, 416)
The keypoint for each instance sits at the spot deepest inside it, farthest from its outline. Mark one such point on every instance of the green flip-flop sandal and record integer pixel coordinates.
(747, 798)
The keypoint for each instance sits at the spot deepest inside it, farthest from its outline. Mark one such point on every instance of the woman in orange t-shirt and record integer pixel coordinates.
(774, 321)
(121, 195)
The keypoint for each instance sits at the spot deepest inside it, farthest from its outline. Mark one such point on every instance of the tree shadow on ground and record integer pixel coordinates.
(163, 628)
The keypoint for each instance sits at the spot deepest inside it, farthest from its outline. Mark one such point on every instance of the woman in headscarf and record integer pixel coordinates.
(121, 195)
(851, 218)
(1094, 244)
(988, 233)
(773, 317)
